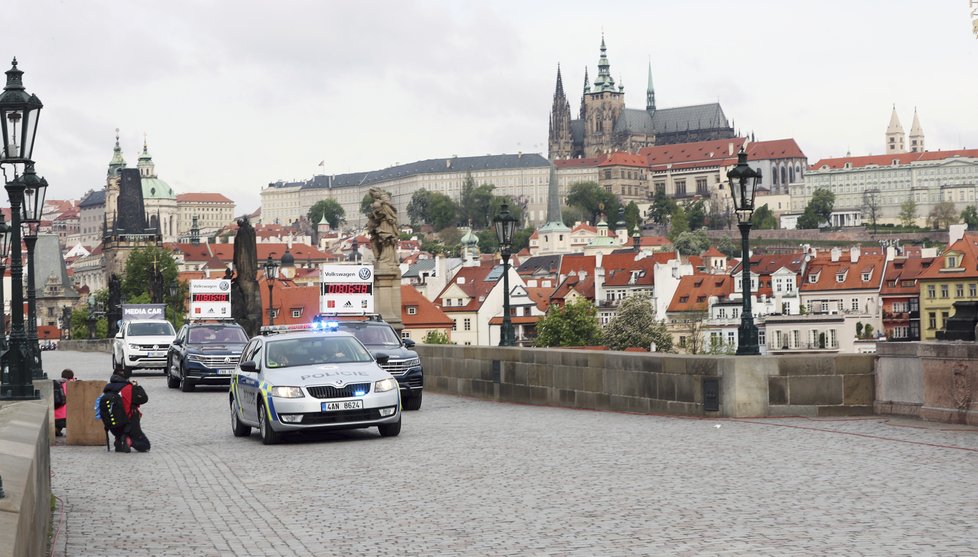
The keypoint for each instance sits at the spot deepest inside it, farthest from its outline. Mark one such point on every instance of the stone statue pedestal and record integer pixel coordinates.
(387, 297)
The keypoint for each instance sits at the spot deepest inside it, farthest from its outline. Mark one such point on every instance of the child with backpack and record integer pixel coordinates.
(118, 408)
(61, 401)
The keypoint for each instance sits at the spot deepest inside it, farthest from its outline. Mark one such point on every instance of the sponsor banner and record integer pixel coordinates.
(143, 311)
(210, 299)
(346, 289)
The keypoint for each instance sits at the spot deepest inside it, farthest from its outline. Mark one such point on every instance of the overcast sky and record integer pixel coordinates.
(234, 94)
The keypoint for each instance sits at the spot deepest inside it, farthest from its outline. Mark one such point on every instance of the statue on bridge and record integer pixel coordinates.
(382, 226)
(113, 313)
(245, 294)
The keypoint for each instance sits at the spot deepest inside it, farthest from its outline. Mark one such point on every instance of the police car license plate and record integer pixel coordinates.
(343, 405)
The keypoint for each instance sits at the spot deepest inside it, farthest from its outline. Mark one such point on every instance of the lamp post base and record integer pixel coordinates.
(747, 344)
(19, 392)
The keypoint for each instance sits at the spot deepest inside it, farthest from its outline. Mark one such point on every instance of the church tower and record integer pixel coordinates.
(561, 142)
(895, 138)
(602, 107)
(650, 93)
(916, 135)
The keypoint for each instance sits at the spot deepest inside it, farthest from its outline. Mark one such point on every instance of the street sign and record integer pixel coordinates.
(346, 289)
(210, 299)
(143, 311)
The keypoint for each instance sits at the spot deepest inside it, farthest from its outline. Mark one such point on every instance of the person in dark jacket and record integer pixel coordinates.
(133, 395)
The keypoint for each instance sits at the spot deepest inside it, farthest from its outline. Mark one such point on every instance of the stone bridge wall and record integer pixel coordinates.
(815, 385)
(936, 381)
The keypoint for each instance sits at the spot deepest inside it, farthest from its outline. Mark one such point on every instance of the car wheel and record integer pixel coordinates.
(172, 381)
(414, 402)
(239, 429)
(390, 430)
(186, 385)
(268, 435)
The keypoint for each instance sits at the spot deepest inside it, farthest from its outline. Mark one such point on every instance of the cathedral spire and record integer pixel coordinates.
(895, 138)
(916, 134)
(604, 81)
(117, 163)
(560, 83)
(650, 92)
(587, 84)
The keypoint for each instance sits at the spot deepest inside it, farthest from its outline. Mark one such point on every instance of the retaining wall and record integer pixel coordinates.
(25, 468)
(936, 381)
(97, 345)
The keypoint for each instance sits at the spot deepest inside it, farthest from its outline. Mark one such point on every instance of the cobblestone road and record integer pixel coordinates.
(467, 477)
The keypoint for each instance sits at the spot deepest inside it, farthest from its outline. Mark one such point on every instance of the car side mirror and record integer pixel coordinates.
(249, 366)
(381, 357)
(408, 343)
(177, 341)
(118, 335)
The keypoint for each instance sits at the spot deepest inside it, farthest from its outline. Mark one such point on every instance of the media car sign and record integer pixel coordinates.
(210, 299)
(346, 289)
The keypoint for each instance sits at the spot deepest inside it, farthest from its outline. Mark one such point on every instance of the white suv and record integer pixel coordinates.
(142, 344)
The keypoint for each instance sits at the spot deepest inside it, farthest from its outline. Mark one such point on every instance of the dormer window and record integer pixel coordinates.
(952, 262)
(840, 277)
(866, 276)
(813, 278)
(412, 310)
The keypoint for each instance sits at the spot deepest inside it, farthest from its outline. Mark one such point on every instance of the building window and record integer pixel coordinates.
(731, 338)
(467, 324)
(701, 186)
(761, 337)
(405, 334)
(412, 310)
(932, 320)
(866, 277)
(944, 291)
(682, 342)
(959, 290)
(930, 290)
(274, 313)
(680, 188)
(795, 338)
(855, 304)
(825, 307)
(296, 313)
(454, 324)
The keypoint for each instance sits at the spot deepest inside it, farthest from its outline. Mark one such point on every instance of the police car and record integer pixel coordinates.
(311, 380)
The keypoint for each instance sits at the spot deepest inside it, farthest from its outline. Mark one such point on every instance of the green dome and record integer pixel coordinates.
(470, 239)
(154, 188)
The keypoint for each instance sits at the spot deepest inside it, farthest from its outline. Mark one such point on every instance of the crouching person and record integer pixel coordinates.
(118, 408)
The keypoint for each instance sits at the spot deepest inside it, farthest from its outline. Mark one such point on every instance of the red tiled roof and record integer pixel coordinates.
(966, 268)
(827, 273)
(887, 160)
(774, 149)
(624, 159)
(540, 296)
(473, 285)
(902, 274)
(577, 163)
(427, 315)
(202, 198)
(694, 291)
(715, 151)
(287, 297)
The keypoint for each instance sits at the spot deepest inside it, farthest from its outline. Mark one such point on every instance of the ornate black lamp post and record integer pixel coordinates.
(505, 224)
(19, 113)
(743, 186)
(34, 195)
(271, 272)
(174, 290)
(4, 252)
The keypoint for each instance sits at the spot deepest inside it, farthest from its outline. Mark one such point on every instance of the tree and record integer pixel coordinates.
(729, 248)
(592, 200)
(678, 223)
(871, 206)
(442, 211)
(633, 217)
(693, 327)
(970, 217)
(331, 209)
(436, 337)
(575, 324)
(764, 219)
(521, 239)
(662, 207)
(418, 207)
(908, 213)
(635, 325)
(691, 243)
(695, 214)
(818, 210)
(475, 203)
(943, 215)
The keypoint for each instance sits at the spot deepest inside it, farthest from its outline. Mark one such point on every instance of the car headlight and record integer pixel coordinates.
(413, 363)
(287, 392)
(385, 385)
(195, 358)
(134, 347)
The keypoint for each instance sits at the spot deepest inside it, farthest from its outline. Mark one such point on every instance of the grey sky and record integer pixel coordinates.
(235, 94)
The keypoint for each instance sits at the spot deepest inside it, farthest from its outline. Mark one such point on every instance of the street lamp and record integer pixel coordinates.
(173, 289)
(743, 186)
(33, 209)
(4, 252)
(19, 113)
(271, 272)
(505, 224)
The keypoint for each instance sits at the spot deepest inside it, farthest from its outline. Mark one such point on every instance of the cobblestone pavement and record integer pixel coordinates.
(468, 477)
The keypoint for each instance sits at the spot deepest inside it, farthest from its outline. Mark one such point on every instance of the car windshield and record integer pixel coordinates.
(162, 328)
(372, 335)
(311, 351)
(217, 335)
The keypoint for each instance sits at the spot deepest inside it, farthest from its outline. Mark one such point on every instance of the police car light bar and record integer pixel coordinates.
(316, 326)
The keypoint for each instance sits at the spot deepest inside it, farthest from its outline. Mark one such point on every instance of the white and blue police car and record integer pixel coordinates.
(293, 381)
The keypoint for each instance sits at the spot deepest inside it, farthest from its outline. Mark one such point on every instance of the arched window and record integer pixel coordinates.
(791, 173)
(774, 177)
(784, 175)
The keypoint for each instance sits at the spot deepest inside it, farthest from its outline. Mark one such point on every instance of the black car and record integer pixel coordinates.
(403, 363)
(204, 354)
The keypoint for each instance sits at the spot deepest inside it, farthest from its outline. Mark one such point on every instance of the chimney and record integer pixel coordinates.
(598, 280)
(854, 254)
(836, 254)
(730, 149)
(636, 242)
